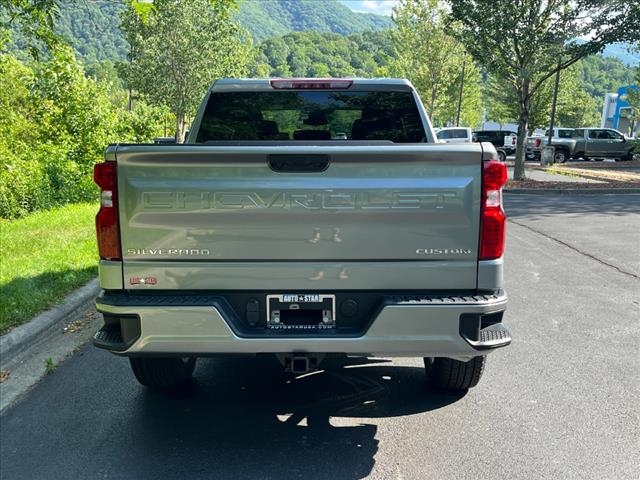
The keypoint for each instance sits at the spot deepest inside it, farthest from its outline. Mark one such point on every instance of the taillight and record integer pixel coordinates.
(513, 140)
(492, 224)
(107, 224)
(311, 83)
(537, 142)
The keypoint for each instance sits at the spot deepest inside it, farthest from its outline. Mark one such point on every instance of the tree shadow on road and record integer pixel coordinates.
(246, 418)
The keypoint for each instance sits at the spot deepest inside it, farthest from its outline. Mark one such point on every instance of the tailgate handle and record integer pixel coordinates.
(298, 163)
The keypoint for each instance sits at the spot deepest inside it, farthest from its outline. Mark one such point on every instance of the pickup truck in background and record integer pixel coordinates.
(585, 143)
(265, 235)
(454, 135)
(505, 141)
(561, 138)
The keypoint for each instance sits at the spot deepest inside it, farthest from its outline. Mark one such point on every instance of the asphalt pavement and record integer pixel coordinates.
(560, 403)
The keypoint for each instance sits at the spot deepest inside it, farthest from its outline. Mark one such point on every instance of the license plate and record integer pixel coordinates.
(301, 312)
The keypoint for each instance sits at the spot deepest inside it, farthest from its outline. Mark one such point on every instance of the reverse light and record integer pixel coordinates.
(493, 219)
(107, 222)
(310, 83)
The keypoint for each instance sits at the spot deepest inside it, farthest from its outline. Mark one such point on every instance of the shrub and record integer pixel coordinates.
(143, 123)
(24, 186)
(55, 125)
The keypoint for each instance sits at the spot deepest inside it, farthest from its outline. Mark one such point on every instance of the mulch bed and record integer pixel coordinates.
(601, 165)
(602, 174)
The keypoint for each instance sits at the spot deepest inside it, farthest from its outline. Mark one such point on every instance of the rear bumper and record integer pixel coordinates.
(436, 326)
(533, 153)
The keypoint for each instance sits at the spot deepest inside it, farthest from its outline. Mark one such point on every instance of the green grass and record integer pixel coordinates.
(49, 366)
(44, 256)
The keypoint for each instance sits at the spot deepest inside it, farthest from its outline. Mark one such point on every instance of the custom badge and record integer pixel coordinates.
(143, 281)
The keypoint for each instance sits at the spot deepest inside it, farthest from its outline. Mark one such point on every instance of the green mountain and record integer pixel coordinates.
(91, 27)
(323, 54)
(270, 18)
(600, 74)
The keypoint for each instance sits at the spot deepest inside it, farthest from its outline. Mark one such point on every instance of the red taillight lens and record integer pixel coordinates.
(107, 224)
(311, 83)
(513, 140)
(492, 234)
(537, 142)
(494, 175)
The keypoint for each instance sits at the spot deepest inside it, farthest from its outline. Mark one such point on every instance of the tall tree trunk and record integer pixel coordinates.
(432, 104)
(524, 105)
(180, 126)
(523, 126)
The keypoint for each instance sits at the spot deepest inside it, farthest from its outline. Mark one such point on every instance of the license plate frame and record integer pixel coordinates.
(301, 312)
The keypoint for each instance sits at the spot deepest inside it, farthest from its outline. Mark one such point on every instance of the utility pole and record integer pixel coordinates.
(130, 102)
(553, 105)
(464, 64)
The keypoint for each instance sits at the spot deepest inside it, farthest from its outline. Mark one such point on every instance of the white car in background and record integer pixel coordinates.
(454, 135)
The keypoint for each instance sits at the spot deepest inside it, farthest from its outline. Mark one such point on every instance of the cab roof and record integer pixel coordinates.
(266, 84)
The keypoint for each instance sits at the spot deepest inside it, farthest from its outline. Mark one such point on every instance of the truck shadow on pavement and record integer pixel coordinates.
(246, 418)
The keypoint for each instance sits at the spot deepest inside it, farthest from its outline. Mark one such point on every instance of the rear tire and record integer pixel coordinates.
(169, 372)
(453, 374)
(560, 156)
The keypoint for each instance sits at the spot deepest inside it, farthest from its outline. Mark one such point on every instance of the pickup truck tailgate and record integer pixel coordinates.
(377, 203)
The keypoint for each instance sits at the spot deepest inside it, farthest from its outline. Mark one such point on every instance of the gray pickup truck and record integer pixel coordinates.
(585, 143)
(264, 234)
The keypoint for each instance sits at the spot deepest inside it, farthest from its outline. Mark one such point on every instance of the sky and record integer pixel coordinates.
(381, 7)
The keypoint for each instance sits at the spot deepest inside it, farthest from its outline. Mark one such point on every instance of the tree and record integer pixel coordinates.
(575, 106)
(179, 48)
(471, 106)
(525, 42)
(56, 123)
(433, 60)
(34, 19)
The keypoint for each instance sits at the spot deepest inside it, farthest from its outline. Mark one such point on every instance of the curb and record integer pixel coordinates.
(24, 335)
(573, 191)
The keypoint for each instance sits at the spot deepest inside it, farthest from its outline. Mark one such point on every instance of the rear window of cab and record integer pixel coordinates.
(311, 115)
(452, 133)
